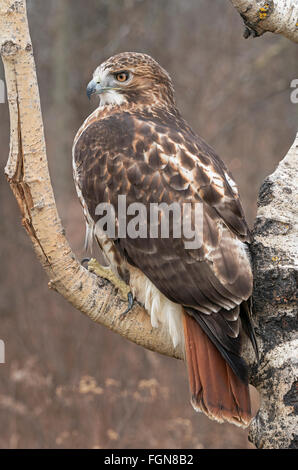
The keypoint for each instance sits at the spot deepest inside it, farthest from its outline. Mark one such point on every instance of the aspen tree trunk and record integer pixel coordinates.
(273, 248)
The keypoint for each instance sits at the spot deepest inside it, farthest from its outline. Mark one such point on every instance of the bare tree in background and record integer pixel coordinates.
(273, 248)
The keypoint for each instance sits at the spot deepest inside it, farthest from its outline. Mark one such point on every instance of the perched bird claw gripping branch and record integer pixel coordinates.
(107, 273)
(85, 261)
(130, 305)
(137, 145)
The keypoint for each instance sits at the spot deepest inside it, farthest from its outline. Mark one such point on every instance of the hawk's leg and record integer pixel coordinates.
(107, 273)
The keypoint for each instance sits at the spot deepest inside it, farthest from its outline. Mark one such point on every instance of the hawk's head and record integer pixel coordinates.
(131, 77)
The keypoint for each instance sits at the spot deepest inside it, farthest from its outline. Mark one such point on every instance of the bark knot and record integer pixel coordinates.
(17, 6)
(9, 48)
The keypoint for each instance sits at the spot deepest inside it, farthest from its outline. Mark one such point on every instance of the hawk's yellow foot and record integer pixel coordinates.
(107, 273)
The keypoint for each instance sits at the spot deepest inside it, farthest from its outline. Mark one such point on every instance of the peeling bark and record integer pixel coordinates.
(273, 248)
(276, 16)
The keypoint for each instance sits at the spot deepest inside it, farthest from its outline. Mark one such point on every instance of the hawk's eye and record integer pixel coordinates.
(122, 76)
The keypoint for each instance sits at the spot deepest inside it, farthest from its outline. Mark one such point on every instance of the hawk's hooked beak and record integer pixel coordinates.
(94, 87)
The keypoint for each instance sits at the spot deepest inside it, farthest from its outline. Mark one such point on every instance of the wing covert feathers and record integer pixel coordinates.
(149, 154)
(215, 389)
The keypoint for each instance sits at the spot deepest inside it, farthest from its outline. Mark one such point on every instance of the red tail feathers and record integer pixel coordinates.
(215, 389)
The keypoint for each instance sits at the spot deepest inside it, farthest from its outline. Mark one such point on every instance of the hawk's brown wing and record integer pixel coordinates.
(155, 158)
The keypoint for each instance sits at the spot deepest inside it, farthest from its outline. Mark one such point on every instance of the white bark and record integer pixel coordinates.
(277, 16)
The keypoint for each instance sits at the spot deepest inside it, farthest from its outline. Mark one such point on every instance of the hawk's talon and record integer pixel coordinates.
(130, 305)
(85, 260)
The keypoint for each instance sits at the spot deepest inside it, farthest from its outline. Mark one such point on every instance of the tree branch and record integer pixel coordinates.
(28, 176)
(277, 16)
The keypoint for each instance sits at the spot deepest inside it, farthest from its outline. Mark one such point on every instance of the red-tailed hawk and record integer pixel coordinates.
(136, 144)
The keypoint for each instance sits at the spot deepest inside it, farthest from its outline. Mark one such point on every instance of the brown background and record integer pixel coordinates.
(69, 383)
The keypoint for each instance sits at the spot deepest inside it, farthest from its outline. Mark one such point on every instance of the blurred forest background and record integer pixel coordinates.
(67, 382)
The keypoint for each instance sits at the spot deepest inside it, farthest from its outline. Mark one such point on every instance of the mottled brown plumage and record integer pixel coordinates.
(140, 146)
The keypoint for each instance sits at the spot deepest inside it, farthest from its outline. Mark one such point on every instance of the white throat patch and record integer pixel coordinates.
(111, 97)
